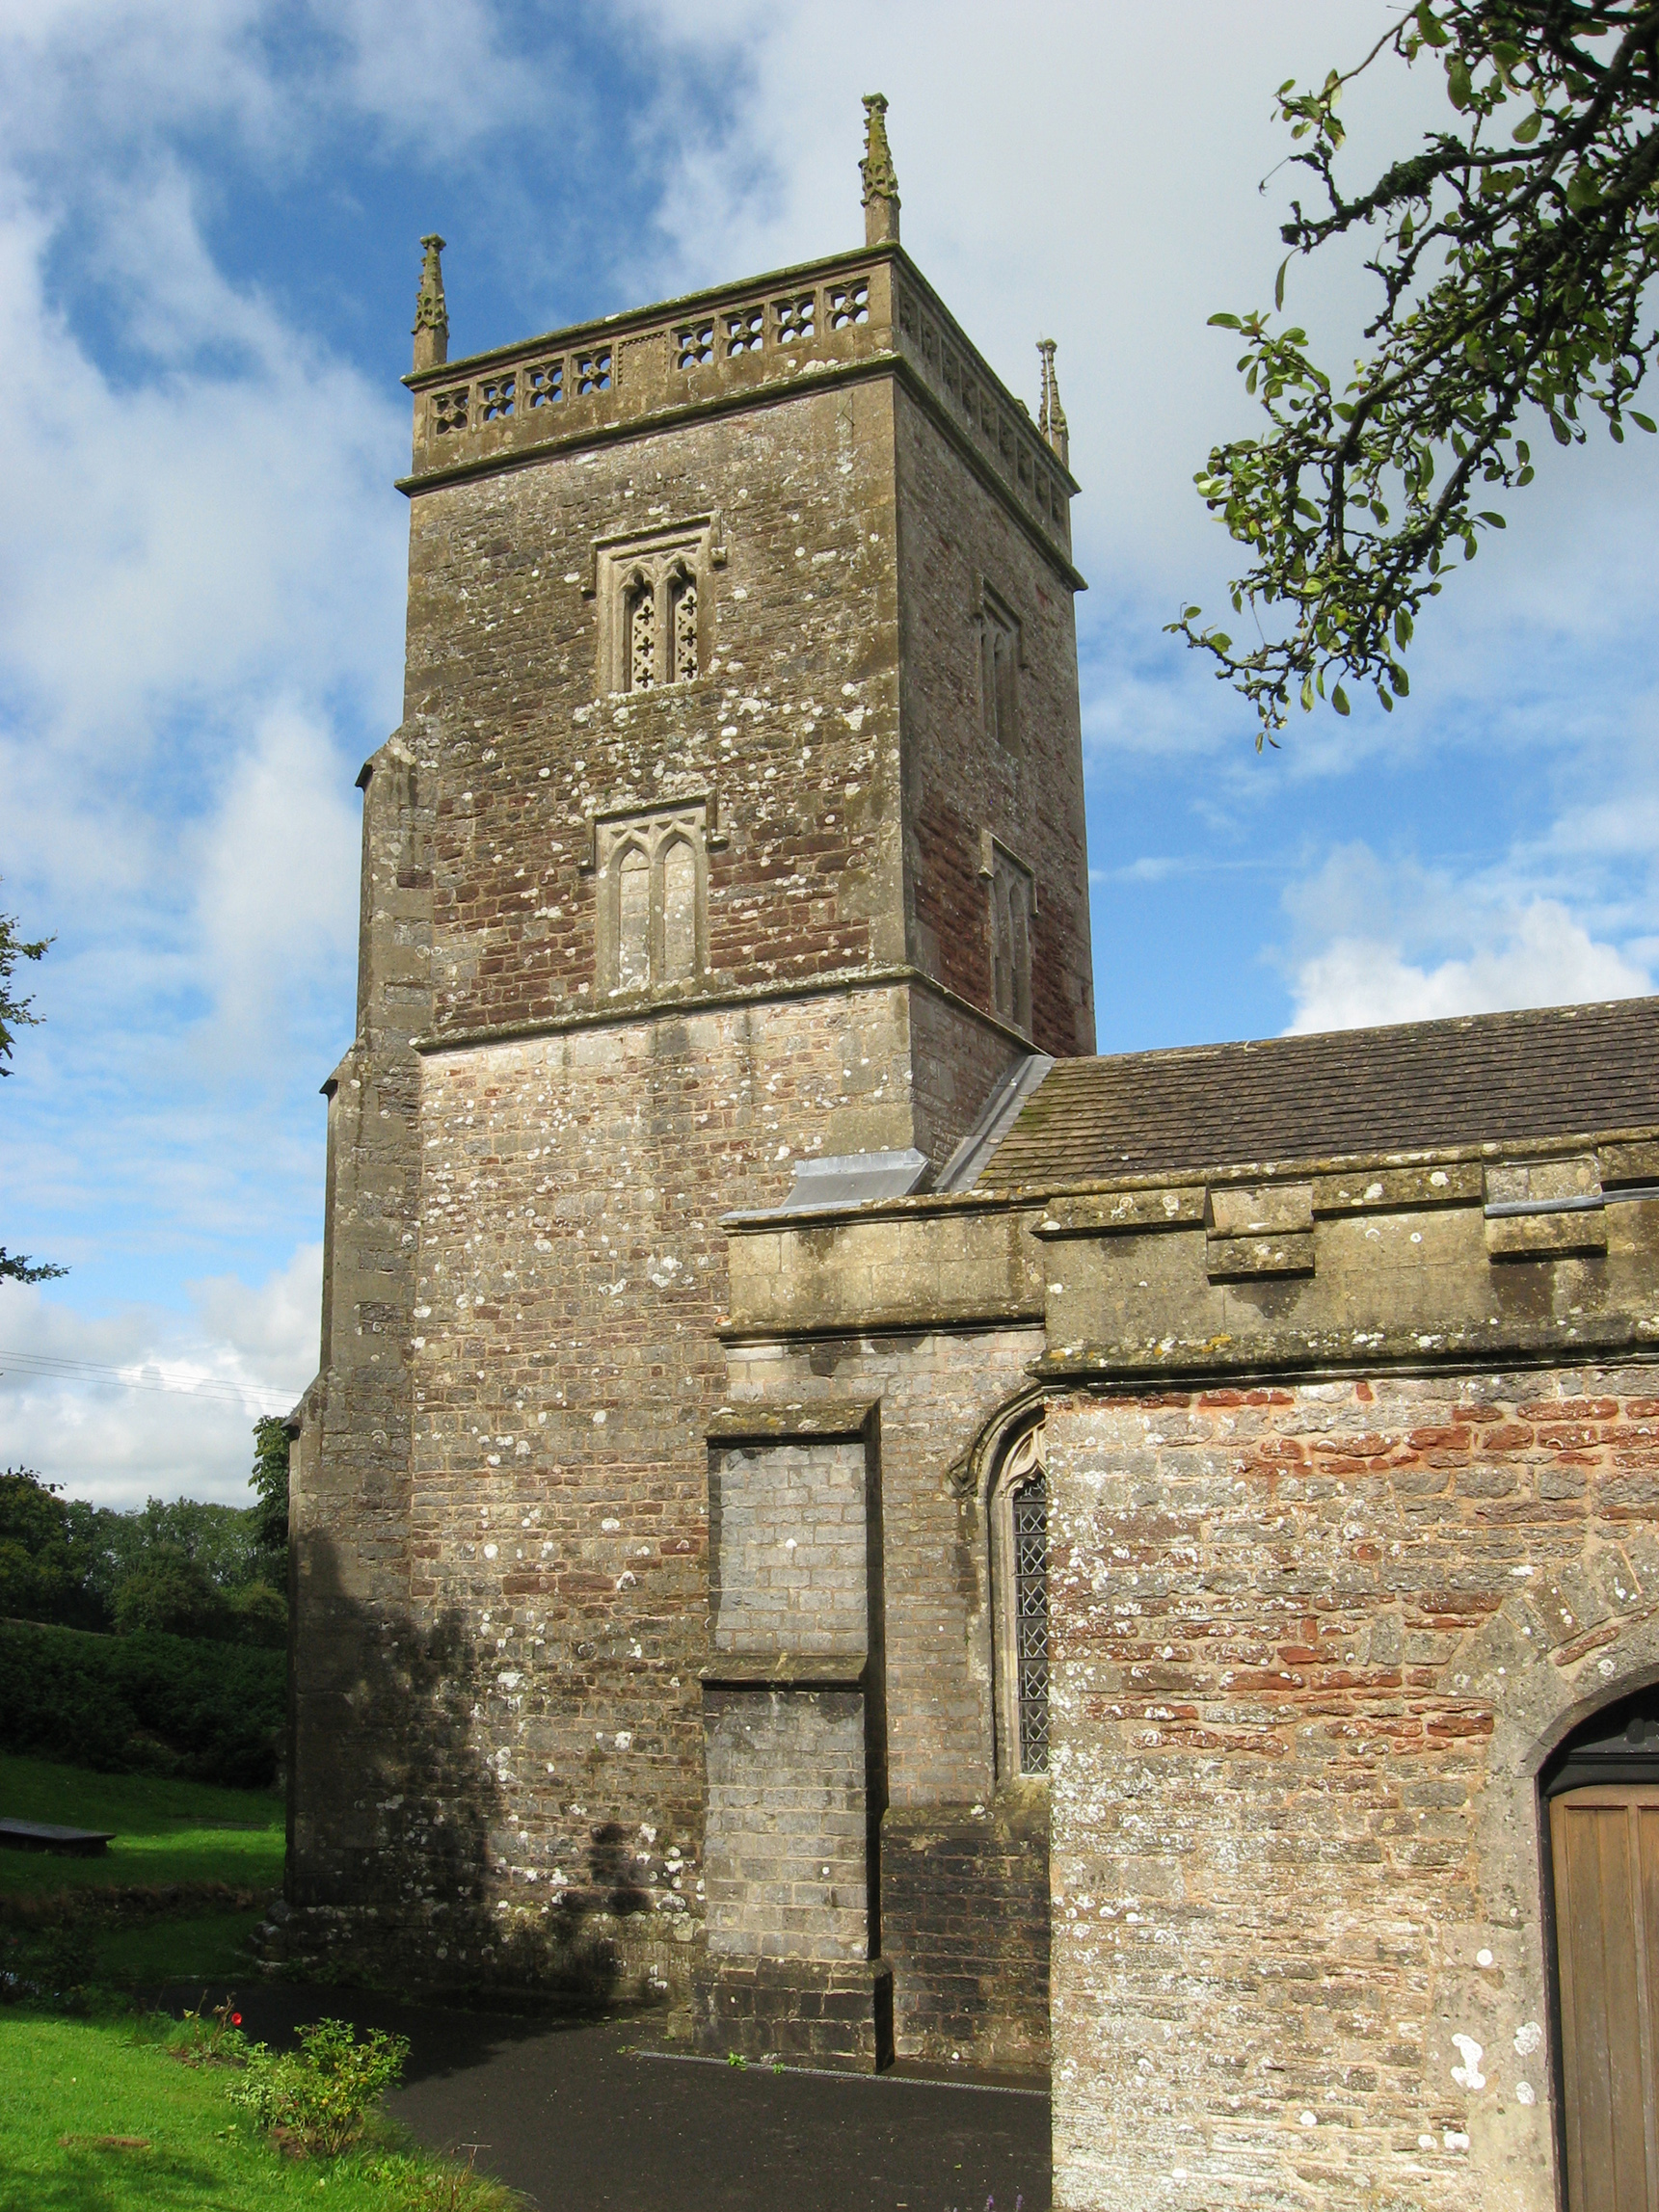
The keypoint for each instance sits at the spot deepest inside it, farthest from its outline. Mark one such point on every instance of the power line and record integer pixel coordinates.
(47, 1367)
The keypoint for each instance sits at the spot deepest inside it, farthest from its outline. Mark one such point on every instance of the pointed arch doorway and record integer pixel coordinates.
(1601, 1803)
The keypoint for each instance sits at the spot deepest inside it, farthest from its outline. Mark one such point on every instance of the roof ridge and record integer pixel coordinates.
(1439, 1025)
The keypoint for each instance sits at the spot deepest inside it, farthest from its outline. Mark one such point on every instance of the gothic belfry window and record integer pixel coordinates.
(654, 605)
(1020, 1582)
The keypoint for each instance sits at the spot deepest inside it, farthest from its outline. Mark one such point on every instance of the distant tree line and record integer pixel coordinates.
(210, 1572)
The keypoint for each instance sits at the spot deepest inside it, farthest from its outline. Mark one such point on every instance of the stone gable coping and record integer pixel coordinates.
(1362, 1182)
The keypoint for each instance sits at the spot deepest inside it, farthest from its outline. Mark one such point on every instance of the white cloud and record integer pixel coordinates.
(175, 543)
(1543, 958)
(142, 1403)
(1394, 942)
(277, 872)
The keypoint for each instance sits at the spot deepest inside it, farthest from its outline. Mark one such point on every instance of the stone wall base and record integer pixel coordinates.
(601, 1960)
(965, 1920)
(795, 2011)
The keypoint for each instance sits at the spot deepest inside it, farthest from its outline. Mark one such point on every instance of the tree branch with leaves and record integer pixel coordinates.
(1514, 251)
(15, 1013)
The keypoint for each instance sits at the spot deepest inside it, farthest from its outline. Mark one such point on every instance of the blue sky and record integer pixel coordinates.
(209, 217)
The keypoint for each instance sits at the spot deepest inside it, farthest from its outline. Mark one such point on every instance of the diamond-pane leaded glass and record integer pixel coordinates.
(1031, 1517)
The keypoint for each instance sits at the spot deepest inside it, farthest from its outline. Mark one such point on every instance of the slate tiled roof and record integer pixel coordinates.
(1562, 1070)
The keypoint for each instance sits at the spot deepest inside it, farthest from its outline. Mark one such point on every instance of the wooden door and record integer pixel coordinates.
(1605, 1846)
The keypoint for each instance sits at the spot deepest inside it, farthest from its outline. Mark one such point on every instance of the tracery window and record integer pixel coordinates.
(654, 605)
(1020, 1582)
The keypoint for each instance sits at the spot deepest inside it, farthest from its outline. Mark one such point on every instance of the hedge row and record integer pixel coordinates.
(143, 1703)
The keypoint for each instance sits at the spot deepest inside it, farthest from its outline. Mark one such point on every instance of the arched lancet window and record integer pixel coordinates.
(1003, 953)
(1013, 906)
(633, 920)
(678, 912)
(1003, 671)
(1020, 1582)
(1020, 960)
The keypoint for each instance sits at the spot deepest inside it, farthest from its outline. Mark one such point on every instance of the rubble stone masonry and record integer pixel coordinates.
(1312, 1647)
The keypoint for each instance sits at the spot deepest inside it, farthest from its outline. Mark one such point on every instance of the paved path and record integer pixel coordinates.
(582, 2120)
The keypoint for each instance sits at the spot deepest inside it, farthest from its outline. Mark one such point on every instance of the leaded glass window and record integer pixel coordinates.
(1019, 1503)
(1030, 1532)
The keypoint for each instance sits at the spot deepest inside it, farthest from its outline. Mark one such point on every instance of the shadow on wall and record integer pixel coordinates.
(399, 1817)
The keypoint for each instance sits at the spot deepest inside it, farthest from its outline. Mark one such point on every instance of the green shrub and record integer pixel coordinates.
(211, 1712)
(318, 2098)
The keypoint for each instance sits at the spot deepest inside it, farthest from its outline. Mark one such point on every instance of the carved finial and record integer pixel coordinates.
(431, 315)
(881, 180)
(1051, 415)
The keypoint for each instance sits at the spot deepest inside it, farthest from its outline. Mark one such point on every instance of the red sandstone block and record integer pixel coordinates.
(1449, 1727)
(1271, 1449)
(1569, 1409)
(1579, 1434)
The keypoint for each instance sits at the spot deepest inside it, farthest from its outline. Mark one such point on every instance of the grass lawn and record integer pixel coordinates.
(202, 1947)
(165, 1832)
(96, 2114)
(96, 2117)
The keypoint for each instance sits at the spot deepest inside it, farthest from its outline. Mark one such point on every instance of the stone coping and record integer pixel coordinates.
(1626, 1155)
(1267, 1356)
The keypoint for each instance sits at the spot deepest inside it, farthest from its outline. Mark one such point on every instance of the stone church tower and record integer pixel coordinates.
(731, 844)
(815, 1479)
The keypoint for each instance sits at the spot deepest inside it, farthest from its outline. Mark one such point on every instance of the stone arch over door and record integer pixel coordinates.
(1543, 1700)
